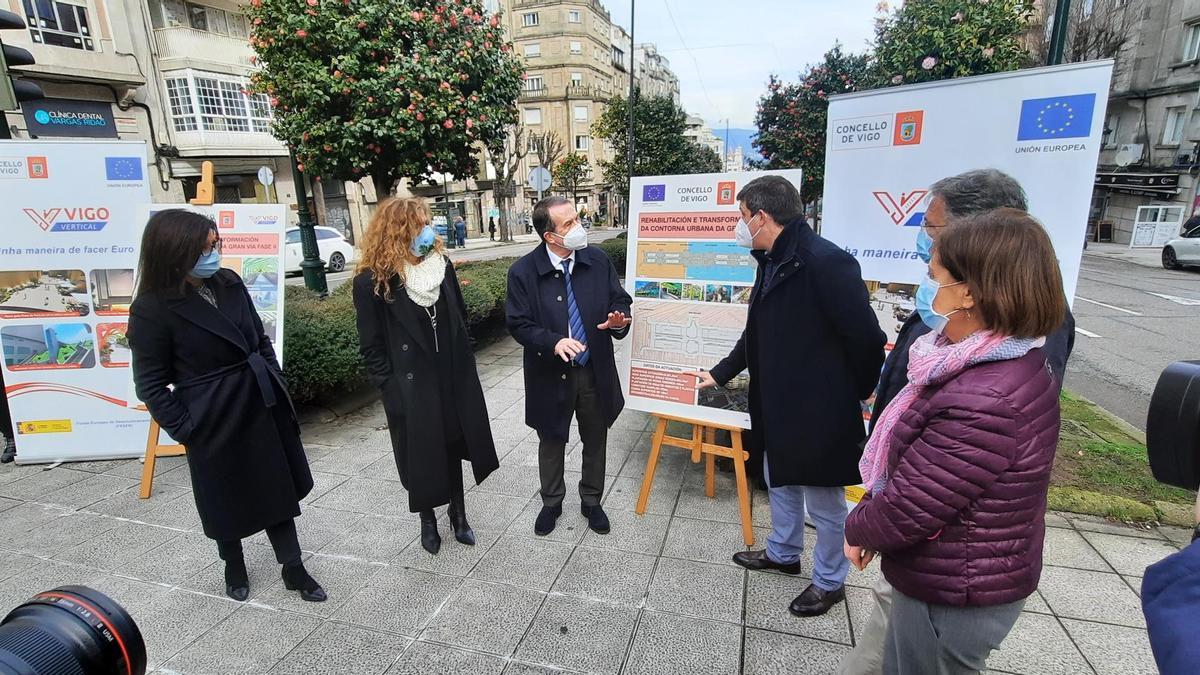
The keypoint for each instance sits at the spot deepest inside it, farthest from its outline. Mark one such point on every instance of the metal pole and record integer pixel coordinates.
(725, 159)
(1058, 34)
(312, 266)
(451, 230)
(632, 80)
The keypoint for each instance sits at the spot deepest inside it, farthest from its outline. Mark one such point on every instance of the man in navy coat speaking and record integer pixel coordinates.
(565, 306)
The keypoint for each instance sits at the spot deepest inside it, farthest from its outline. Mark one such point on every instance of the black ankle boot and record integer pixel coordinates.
(458, 521)
(237, 582)
(296, 578)
(430, 539)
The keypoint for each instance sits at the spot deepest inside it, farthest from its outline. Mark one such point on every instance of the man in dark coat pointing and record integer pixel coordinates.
(813, 347)
(565, 306)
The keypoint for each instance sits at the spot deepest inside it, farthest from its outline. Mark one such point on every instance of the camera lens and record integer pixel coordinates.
(71, 630)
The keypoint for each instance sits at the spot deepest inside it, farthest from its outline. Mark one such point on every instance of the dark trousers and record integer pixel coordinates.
(283, 540)
(6, 425)
(582, 403)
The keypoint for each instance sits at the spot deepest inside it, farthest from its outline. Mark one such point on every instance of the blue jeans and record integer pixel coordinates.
(785, 544)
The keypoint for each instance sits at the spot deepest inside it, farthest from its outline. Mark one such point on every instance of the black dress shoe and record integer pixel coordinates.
(815, 601)
(546, 520)
(237, 582)
(296, 578)
(759, 560)
(430, 539)
(458, 522)
(597, 518)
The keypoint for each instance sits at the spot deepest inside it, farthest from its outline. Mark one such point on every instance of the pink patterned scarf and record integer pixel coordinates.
(932, 360)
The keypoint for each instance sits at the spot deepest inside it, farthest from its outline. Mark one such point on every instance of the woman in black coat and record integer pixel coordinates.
(206, 370)
(413, 334)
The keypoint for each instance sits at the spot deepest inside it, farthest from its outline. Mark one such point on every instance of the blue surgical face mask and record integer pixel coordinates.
(924, 246)
(207, 265)
(926, 294)
(424, 241)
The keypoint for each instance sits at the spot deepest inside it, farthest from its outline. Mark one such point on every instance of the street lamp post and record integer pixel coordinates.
(632, 80)
(1058, 32)
(312, 266)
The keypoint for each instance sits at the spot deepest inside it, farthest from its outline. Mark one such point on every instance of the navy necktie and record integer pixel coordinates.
(576, 321)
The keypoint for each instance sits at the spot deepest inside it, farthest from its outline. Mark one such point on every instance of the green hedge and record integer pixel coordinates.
(320, 337)
(615, 248)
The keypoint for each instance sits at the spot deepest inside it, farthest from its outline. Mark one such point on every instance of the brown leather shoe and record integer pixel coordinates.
(816, 601)
(759, 560)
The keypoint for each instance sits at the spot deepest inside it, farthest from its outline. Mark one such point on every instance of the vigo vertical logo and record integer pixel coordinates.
(75, 219)
(902, 210)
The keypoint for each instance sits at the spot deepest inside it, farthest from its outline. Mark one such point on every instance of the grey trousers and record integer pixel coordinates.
(925, 639)
(582, 403)
(867, 656)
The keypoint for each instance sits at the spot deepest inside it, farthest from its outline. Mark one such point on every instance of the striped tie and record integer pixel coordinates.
(577, 330)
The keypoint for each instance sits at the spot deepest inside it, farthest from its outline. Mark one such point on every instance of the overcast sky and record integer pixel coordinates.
(732, 46)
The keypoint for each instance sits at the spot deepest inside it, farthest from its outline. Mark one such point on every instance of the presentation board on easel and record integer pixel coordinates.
(690, 284)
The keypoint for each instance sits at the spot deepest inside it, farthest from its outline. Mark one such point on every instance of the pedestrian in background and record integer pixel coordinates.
(8, 433)
(961, 196)
(207, 372)
(959, 465)
(460, 231)
(413, 336)
(565, 305)
(492, 228)
(813, 347)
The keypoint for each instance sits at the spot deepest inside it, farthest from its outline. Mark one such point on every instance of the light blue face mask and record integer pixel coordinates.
(207, 265)
(924, 246)
(424, 241)
(926, 294)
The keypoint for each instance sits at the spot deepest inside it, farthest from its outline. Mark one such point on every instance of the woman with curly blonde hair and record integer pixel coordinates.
(412, 330)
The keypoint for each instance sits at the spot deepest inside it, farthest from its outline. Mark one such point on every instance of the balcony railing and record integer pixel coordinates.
(571, 91)
(188, 43)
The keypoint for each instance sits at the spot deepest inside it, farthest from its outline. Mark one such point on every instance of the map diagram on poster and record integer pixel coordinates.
(691, 285)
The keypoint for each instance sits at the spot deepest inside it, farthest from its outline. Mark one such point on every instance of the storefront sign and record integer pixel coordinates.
(1146, 180)
(65, 117)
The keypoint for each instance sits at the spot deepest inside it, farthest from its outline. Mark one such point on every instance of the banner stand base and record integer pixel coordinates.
(702, 442)
(154, 450)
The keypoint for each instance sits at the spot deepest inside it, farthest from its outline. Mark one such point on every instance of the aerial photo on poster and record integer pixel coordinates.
(43, 294)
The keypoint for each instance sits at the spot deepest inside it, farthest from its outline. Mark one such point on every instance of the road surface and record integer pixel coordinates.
(1132, 321)
(476, 250)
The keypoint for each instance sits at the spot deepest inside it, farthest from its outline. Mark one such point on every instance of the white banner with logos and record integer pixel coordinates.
(1043, 126)
(70, 214)
(690, 284)
(252, 244)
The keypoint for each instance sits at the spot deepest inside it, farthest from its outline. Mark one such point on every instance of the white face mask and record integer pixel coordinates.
(576, 239)
(745, 238)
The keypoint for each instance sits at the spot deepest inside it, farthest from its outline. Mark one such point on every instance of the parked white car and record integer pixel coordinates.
(334, 249)
(1182, 250)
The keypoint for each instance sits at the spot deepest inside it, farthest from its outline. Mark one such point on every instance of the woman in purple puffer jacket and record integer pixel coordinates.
(959, 464)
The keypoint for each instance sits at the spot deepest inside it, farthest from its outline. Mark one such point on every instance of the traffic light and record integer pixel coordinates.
(12, 90)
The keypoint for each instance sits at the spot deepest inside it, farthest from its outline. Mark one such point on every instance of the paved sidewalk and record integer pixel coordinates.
(659, 595)
(1145, 257)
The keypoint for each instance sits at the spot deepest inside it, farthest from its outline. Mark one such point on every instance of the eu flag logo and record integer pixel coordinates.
(123, 168)
(1044, 119)
(654, 193)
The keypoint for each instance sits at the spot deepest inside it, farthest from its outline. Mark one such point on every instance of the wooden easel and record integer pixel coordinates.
(702, 442)
(205, 195)
(154, 450)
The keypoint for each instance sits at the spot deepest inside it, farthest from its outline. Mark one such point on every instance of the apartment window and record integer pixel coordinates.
(583, 142)
(209, 102)
(533, 116)
(576, 79)
(1110, 130)
(576, 47)
(581, 113)
(532, 50)
(203, 18)
(575, 16)
(61, 24)
(1173, 128)
(529, 20)
(535, 83)
(1191, 42)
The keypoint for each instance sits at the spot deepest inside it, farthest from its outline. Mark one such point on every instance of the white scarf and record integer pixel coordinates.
(423, 281)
